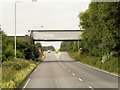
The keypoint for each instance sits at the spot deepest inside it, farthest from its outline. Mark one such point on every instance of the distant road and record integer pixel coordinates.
(64, 72)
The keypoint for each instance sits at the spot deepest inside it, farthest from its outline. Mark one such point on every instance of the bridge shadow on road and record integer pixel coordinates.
(58, 61)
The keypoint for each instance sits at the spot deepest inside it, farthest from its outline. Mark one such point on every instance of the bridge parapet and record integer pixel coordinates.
(55, 35)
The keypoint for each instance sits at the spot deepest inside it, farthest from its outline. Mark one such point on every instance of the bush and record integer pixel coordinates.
(19, 54)
(14, 72)
(9, 52)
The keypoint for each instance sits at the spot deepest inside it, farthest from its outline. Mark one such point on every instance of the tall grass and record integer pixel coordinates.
(14, 72)
(111, 65)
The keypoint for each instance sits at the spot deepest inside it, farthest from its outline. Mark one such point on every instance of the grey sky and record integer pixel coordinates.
(52, 14)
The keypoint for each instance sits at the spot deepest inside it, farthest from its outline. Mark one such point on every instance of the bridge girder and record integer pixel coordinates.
(71, 32)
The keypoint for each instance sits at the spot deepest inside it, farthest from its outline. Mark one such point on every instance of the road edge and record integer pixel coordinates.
(99, 69)
(23, 82)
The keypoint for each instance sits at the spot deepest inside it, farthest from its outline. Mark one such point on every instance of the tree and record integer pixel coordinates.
(102, 28)
(45, 48)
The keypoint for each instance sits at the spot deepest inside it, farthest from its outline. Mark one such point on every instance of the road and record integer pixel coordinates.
(64, 72)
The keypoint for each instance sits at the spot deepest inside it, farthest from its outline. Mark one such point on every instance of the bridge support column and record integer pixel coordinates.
(78, 44)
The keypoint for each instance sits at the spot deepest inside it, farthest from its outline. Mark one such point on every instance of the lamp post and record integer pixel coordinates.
(15, 31)
(15, 28)
(15, 24)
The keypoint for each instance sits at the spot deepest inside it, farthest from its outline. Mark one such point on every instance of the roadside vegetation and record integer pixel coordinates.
(45, 48)
(111, 65)
(14, 71)
(100, 40)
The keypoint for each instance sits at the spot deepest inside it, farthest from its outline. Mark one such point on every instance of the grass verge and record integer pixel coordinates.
(14, 72)
(111, 65)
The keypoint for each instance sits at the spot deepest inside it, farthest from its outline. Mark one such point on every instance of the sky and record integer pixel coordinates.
(51, 14)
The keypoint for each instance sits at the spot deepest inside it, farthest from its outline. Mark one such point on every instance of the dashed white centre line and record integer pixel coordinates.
(26, 83)
(65, 67)
(68, 70)
(80, 79)
(73, 74)
(91, 87)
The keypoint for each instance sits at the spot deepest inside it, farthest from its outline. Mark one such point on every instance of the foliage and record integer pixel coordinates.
(102, 28)
(100, 40)
(23, 48)
(71, 46)
(45, 48)
(28, 52)
(14, 72)
(112, 65)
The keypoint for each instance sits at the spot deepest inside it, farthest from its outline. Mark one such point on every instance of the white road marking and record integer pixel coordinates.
(69, 70)
(80, 79)
(91, 87)
(73, 74)
(99, 69)
(26, 83)
(35, 70)
(60, 63)
(63, 66)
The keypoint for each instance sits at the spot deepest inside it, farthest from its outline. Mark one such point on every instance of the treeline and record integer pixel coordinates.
(24, 49)
(102, 28)
(100, 42)
(45, 48)
(101, 37)
(28, 57)
(70, 46)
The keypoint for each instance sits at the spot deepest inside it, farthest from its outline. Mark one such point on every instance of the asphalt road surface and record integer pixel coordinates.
(64, 72)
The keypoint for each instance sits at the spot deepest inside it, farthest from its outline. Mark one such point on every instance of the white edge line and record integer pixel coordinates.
(100, 69)
(26, 83)
(35, 70)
